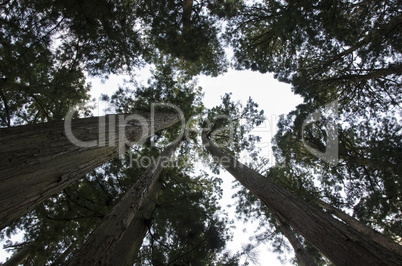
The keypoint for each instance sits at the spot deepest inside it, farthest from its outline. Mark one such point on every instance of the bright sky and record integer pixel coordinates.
(273, 97)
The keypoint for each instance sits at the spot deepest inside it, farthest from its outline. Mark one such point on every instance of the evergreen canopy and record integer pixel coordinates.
(342, 52)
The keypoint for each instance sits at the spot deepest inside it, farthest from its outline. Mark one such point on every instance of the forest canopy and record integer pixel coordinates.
(67, 178)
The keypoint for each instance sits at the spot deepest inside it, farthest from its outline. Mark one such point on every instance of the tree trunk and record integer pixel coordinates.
(362, 228)
(337, 241)
(101, 246)
(127, 248)
(37, 161)
(303, 258)
(19, 257)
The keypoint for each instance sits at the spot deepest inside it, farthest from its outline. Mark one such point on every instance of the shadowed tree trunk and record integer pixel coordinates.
(101, 247)
(303, 258)
(337, 241)
(127, 248)
(37, 161)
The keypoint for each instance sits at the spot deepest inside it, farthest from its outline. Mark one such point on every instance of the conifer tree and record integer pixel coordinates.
(39, 160)
(333, 238)
(100, 246)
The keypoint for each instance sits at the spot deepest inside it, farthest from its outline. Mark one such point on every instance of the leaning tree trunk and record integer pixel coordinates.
(303, 257)
(127, 248)
(101, 246)
(360, 227)
(37, 161)
(334, 239)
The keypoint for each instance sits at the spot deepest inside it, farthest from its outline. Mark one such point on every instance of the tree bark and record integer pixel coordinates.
(127, 248)
(37, 161)
(337, 241)
(303, 258)
(101, 247)
(362, 228)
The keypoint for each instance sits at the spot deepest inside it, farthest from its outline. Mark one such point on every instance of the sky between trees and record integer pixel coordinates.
(342, 52)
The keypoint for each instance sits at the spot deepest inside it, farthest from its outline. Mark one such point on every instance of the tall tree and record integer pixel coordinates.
(366, 178)
(162, 89)
(19, 257)
(40, 160)
(271, 229)
(129, 244)
(100, 246)
(303, 257)
(333, 238)
(61, 223)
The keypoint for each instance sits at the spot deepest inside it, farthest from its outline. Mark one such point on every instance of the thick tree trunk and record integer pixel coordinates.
(362, 228)
(127, 248)
(20, 256)
(101, 246)
(303, 258)
(334, 239)
(37, 161)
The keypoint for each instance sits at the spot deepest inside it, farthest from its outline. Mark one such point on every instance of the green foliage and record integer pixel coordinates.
(185, 228)
(366, 178)
(66, 219)
(328, 50)
(230, 125)
(168, 89)
(347, 51)
(192, 43)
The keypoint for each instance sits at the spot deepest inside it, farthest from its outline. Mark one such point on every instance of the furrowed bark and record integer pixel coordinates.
(362, 228)
(101, 247)
(303, 258)
(127, 248)
(38, 161)
(337, 241)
